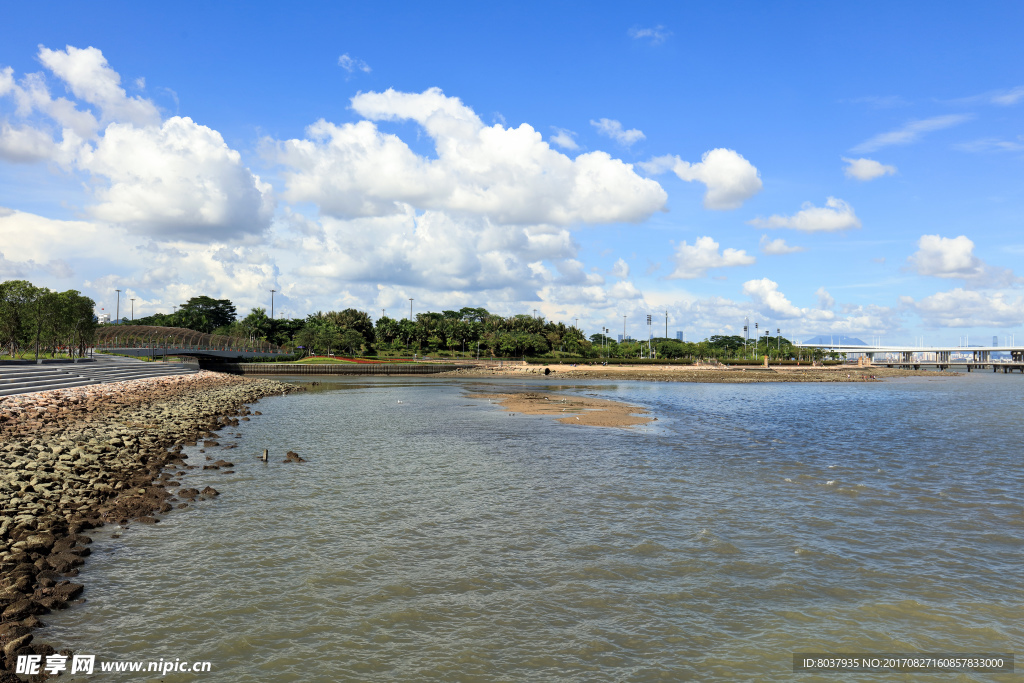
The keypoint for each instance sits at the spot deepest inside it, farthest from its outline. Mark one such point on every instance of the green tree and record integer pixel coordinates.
(205, 314)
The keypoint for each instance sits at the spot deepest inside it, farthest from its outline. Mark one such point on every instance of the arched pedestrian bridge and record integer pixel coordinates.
(148, 341)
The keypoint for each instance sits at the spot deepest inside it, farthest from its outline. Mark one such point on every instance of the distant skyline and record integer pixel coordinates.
(821, 169)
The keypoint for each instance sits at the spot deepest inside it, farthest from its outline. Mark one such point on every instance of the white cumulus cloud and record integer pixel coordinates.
(825, 300)
(24, 144)
(620, 269)
(729, 177)
(179, 180)
(566, 139)
(778, 247)
(953, 257)
(766, 292)
(91, 79)
(866, 169)
(509, 175)
(836, 215)
(694, 261)
(614, 130)
(965, 308)
(166, 179)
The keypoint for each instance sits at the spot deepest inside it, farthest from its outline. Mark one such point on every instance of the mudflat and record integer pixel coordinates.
(696, 373)
(570, 409)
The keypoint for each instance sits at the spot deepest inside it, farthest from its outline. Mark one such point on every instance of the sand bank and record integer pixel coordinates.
(694, 373)
(581, 410)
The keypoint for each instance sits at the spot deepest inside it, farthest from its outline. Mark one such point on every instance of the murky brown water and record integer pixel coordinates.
(432, 537)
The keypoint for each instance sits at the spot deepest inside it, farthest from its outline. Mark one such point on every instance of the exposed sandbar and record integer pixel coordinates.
(715, 374)
(581, 410)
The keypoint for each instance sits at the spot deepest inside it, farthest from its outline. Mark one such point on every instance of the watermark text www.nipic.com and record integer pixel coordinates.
(87, 664)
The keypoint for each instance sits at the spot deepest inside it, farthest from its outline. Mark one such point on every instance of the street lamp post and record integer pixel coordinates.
(746, 331)
(623, 328)
(272, 303)
(117, 314)
(133, 309)
(410, 310)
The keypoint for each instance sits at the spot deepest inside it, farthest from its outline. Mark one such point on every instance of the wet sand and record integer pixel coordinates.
(696, 373)
(589, 412)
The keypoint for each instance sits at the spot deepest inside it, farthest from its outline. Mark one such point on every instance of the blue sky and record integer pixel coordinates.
(817, 168)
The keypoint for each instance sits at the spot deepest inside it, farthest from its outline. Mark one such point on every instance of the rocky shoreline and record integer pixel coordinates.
(75, 459)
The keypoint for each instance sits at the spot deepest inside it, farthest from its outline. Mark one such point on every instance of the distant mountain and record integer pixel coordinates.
(837, 339)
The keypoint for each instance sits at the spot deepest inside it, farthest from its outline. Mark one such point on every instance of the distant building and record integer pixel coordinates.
(679, 335)
(626, 338)
(104, 318)
(995, 340)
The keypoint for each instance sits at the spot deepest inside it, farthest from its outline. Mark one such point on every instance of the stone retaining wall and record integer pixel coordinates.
(335, 368)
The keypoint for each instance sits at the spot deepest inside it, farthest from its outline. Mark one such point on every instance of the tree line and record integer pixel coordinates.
(49, 322)
(466, 332)
(43, 322)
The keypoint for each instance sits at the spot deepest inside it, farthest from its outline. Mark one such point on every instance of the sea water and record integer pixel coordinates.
(433, 536)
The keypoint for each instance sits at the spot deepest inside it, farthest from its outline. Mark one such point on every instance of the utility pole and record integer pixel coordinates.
(666, 324)
(133, 309)
(623, 328)
(272, 303)
(117, 315)
(410, 310)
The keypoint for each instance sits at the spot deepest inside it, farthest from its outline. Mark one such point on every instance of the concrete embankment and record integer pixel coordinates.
(337, 368)
(75, 459)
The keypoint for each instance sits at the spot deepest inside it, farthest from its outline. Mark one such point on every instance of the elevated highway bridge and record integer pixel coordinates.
(938, 357)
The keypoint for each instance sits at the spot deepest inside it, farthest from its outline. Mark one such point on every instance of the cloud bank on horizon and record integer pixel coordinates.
(414, 195)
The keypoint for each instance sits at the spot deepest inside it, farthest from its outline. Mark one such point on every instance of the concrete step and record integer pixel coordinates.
(117, 376)
(6, 390)
(29, 381)
(23, 379)
(25, 376)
